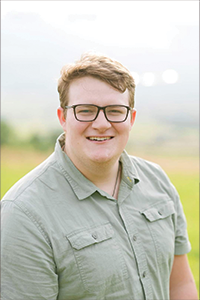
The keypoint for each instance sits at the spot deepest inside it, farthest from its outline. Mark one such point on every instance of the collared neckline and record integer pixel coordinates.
(129, 173)
(82, 187)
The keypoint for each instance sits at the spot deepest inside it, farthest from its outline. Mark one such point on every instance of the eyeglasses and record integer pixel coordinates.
(89, 112)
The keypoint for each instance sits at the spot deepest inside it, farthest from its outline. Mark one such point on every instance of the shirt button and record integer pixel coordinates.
(94, 236)
(144, 274)
(134, 237)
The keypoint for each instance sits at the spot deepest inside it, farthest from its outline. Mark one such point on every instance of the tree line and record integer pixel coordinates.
(36, 140)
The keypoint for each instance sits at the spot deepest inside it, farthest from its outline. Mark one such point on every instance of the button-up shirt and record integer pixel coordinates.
(63, 238)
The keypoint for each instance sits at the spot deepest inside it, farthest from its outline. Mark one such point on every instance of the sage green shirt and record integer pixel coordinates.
(63, 238)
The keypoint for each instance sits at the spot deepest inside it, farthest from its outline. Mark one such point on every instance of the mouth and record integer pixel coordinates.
(99, 139)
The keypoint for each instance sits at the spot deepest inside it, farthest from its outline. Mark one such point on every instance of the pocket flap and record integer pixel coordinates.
(90, 236)
(159, 212)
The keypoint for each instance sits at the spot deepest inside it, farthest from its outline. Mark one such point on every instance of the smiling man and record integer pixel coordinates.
(97, 128)
(92, 222)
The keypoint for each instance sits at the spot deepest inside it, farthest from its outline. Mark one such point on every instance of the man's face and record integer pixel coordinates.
(80, 143)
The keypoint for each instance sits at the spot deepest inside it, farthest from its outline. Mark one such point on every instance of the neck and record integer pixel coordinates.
(101, 172)
(105, 176)
(107, 179)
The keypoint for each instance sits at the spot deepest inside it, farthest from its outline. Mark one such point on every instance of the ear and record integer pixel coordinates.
(61, 117)
(133, 116)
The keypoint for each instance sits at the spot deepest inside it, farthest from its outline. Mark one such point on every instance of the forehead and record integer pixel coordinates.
(91, 90)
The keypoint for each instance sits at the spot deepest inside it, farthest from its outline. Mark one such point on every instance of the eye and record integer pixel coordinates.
(85, 110)
(116, 110)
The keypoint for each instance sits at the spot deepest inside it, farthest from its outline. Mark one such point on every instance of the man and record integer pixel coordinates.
(92, 222)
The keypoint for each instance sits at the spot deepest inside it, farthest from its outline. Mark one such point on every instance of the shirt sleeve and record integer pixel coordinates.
(182, 243)
(28, 268)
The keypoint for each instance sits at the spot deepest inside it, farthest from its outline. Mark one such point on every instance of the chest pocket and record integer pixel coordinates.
(159, 212)
(98, 257)
(160, 220)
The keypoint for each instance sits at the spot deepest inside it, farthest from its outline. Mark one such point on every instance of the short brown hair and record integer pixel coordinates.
(100, 67)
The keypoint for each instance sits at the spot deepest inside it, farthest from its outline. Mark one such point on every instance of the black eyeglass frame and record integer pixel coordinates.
(100, 108)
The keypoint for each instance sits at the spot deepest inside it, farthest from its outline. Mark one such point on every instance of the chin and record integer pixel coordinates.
(102, 158)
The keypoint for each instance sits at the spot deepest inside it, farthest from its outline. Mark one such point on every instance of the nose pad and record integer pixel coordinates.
(101, 120)
(101, 113)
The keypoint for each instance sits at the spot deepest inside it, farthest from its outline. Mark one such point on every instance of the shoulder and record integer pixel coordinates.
(152, 173)
(145, 166)
(142, 167)
(28, 183)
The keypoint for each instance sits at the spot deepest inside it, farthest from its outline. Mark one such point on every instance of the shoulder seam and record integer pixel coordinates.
(34, 180)
(31, 217)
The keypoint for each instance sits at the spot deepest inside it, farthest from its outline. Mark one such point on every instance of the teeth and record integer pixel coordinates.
(99, 138)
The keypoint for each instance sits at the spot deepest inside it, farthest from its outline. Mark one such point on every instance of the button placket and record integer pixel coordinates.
(138, 251)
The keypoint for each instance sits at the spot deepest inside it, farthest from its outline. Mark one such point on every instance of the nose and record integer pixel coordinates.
(101, 123)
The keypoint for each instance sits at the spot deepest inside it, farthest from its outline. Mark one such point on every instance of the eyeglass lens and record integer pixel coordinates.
(89, 113)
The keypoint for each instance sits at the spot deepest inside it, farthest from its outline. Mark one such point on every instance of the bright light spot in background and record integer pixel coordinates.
(148, 79)
(170, 76)
(136, 77)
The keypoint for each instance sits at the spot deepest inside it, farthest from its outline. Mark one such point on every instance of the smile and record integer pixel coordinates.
(100, 139)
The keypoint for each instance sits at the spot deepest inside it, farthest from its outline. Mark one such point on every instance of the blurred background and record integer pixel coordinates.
(158, 41)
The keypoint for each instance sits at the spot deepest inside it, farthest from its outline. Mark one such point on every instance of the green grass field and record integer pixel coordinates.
(183, 173)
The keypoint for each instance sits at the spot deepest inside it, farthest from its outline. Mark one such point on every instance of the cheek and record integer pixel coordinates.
(74, 128)
(123, 129)
(125, 133)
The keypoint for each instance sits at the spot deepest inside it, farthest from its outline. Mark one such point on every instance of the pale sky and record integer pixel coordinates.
(114, 22)
(156, 40)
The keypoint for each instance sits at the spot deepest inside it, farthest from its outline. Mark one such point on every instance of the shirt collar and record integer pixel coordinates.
(129, 173)
(82, 187)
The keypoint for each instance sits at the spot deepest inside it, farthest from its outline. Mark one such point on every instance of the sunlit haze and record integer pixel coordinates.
(114, 22)
(156, 40)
